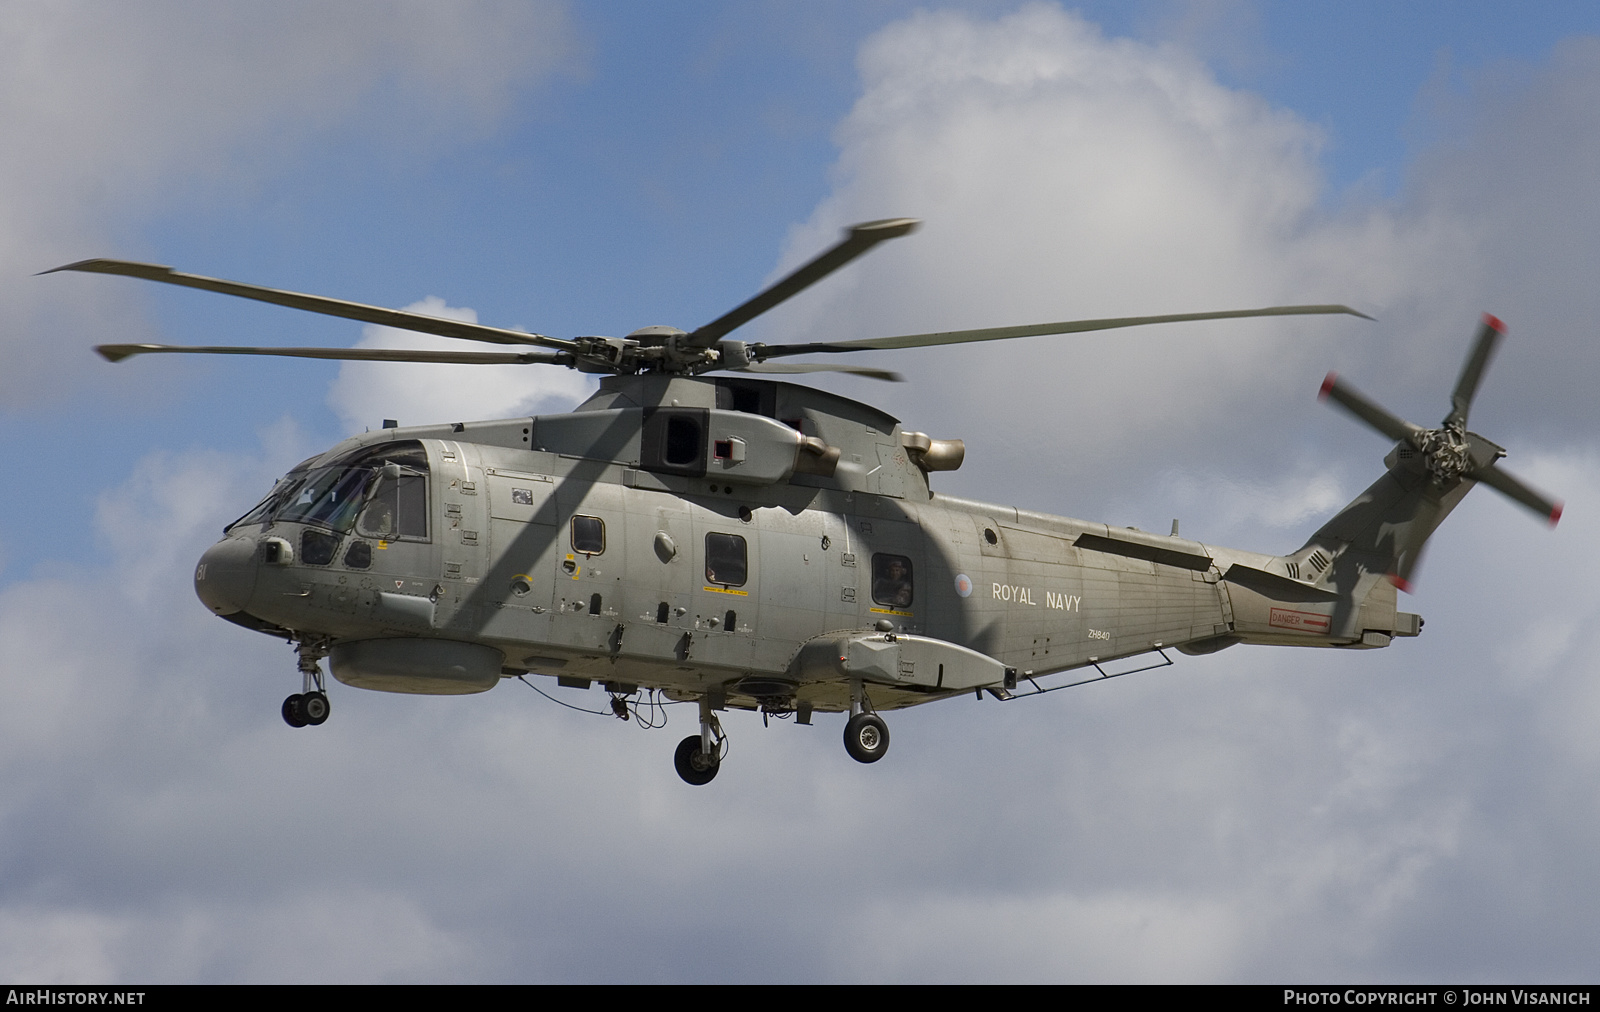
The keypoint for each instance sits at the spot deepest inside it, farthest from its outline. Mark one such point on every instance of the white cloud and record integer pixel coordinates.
(112, 111)
(1220, 506)
(304, 936)
(1066, 175)
(1120, 937)
(365, 393)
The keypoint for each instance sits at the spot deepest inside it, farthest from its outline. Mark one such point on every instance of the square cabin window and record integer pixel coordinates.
(588, 535)
(726, 561)
(891, 580)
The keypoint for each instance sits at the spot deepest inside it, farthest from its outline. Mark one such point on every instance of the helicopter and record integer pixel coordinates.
(699, 532)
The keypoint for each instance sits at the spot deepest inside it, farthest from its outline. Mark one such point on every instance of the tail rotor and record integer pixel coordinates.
(1447, 455)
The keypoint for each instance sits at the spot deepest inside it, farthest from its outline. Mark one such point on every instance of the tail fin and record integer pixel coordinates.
(1382, 531)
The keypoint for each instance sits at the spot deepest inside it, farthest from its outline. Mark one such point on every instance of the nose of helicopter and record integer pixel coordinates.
(225, 577)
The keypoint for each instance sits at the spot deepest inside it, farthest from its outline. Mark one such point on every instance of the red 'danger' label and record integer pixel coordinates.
(1305, 621)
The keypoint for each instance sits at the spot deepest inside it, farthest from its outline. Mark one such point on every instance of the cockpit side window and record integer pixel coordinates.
(398, 506)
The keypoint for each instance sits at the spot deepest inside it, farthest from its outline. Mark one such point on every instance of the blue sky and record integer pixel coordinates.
(1424, 812)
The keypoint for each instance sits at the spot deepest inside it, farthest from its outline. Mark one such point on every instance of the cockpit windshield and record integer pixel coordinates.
(382, 491)
(328, 497)
(262, 513)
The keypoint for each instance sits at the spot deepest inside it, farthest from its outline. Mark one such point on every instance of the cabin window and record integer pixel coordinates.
(891, 580)
(588, 535)
(726, 560)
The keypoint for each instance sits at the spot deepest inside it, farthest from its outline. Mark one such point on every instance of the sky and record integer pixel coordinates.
(1422, 813)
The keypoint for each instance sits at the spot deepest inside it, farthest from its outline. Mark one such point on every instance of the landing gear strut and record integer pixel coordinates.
(866, 736)
(699, 756)
(309, 706)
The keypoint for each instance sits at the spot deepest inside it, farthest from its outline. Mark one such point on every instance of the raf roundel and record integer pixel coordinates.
(963, 585)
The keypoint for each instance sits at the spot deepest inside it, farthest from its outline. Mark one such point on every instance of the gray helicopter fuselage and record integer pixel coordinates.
(757, 542)
(753, 544)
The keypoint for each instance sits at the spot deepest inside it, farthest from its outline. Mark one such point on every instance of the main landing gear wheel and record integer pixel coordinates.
(314, 706)
(694, 766)
(866, 737)
(301, 709)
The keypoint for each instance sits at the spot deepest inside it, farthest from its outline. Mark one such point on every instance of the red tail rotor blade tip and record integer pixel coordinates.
(1555, 514)
(1399, 582)
(1327, 386)
(1494, 321)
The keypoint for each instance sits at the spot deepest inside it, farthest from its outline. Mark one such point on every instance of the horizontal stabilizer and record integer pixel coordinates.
(1150, 548)
(1275, 586)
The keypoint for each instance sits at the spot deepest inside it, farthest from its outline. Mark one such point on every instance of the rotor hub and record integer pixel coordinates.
(1448, 452)
(659, 333)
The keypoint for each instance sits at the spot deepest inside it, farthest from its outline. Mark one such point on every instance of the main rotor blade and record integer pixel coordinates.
(318, 304)
(792, 368)
(1505, 483)
(118, 352)
(858, 239)
(764, 351)
(1369, 411)
(1490, 331)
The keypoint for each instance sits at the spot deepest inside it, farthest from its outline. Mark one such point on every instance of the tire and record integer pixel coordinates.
(294, 714)
(691, 762)
(314, 707)
(866, 738)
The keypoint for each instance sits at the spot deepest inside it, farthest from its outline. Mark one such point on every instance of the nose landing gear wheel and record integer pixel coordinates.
(866, 737)
(294, 713)
(694, 766)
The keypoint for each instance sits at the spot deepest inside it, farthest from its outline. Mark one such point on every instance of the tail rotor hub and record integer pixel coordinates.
(1448, 452)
